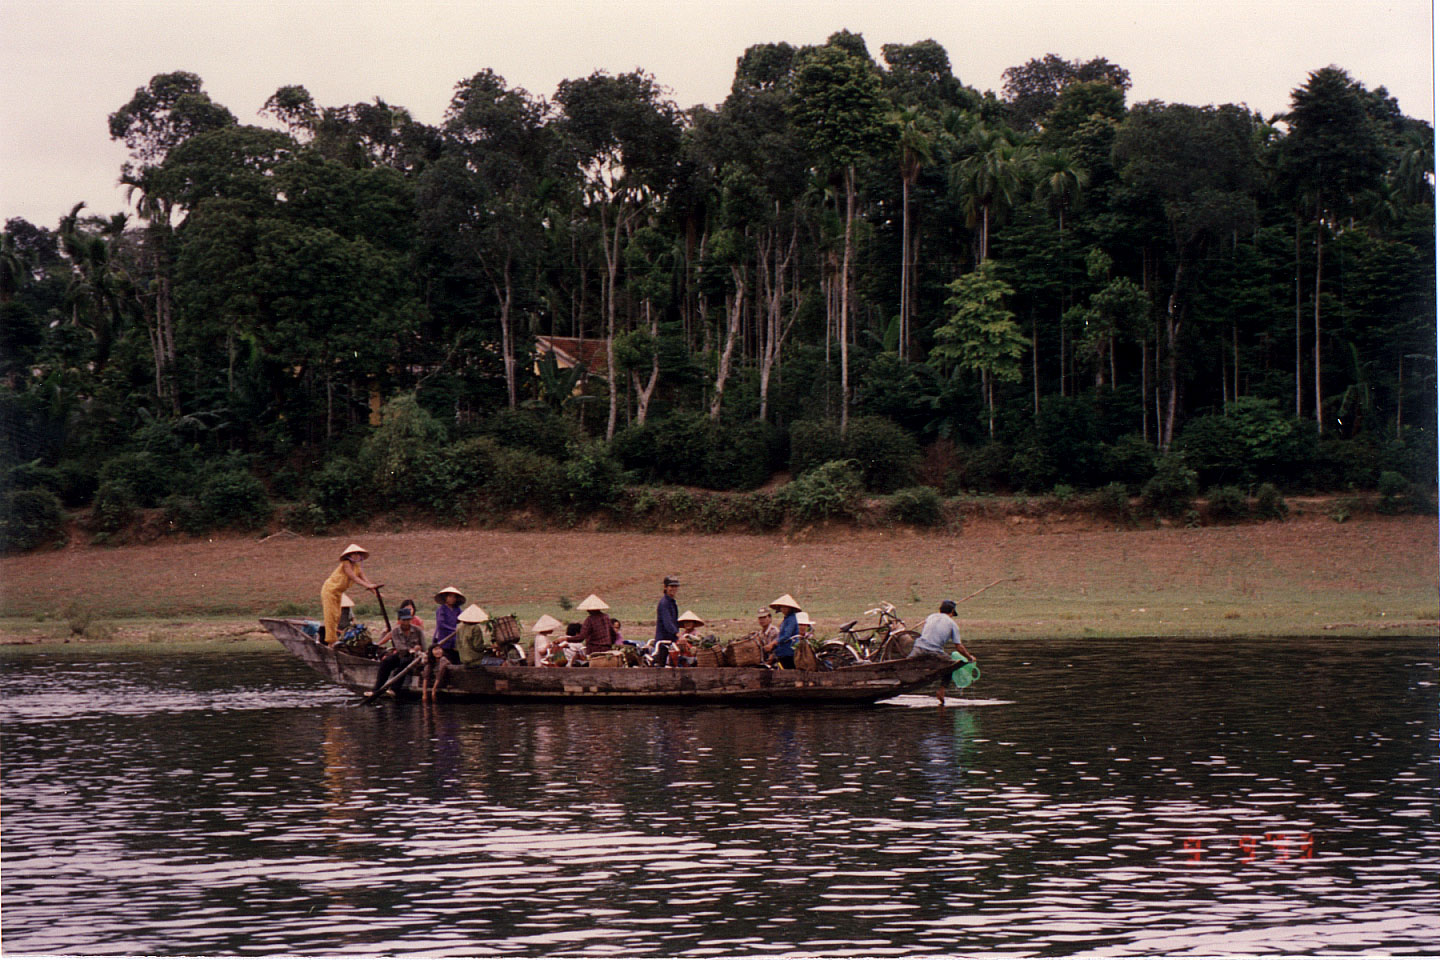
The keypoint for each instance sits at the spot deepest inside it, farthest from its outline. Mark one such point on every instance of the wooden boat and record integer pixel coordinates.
(861, 683)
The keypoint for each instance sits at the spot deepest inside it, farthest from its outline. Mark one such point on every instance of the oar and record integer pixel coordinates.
(394, 679)
(382, 609)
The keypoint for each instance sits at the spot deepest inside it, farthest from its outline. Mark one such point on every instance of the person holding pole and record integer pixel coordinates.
(334, 588)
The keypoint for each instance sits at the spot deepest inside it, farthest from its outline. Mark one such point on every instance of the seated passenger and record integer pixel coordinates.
(687, 640)
(404, 641)
(470, 635)
(543, 628)
(596, 634)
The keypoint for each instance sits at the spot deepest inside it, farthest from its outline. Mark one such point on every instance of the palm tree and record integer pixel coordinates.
(990, 179)
(97, 288)
(1059, 181)
(916, 141)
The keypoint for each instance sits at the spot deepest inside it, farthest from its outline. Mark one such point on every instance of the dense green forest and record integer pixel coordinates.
(858, 270)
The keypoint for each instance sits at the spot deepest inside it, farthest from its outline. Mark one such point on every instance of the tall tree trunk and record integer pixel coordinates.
(845, 300)
(736, 311)
(1319, 267)
(1399, 394)
(1035, 360)
(505, 293)
(644, 393)
(1174, 319)
(612, 269)
(1299, 350)
(1145, 389)
(904, 346)
(775, 331)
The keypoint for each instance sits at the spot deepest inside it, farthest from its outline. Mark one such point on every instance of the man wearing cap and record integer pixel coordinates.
(938, 631)
(667, 621)
(338, 582)
(406, 641)
(766, 631)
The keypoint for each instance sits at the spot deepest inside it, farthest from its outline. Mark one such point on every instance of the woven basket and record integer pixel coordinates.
(746, 653)
(707, 657)
(607, 660)
(505, 629)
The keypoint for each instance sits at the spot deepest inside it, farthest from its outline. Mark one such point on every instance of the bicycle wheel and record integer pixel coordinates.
(898, 645)
(833, 654)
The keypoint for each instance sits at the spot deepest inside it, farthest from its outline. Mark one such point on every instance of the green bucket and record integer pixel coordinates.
(965, 674)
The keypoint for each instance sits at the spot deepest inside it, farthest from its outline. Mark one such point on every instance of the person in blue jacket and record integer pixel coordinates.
(667, 623)
(781, 650)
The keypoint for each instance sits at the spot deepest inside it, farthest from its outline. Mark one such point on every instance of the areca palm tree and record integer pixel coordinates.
(916, 152)
(97, 289)
(1060, 181)
(990, 180)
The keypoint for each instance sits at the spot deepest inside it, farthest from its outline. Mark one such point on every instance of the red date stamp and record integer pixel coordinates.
(1274, 846)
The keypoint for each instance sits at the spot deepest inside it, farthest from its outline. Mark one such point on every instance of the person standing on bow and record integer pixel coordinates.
(939, 632)
(781, 650)
(339, 581)
(667, 622)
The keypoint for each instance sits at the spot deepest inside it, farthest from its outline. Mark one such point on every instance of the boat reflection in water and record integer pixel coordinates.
(1089, 797)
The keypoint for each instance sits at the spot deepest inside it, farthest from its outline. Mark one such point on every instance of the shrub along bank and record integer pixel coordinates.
(688, 471)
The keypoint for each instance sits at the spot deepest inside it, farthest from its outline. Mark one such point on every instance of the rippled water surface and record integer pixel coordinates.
(1106, 797)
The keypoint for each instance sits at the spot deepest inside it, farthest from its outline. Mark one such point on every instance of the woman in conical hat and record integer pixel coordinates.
(596, 632)
(447, 621)
(337, 583)
(470, 634)
(785, 601)
(782, 649)
(545, 626)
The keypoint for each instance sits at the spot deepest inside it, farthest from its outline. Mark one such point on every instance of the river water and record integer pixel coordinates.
(1100, 797)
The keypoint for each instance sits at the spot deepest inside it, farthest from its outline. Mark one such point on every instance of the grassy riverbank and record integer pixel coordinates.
(1371, 576)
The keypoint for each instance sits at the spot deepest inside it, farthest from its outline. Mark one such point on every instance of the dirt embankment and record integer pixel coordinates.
(1060, 575)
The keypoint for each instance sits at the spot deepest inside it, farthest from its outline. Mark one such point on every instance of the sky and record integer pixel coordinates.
(68, 64)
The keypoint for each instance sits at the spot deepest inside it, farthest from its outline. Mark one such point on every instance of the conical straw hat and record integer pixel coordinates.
(545, 624)
(689, 616)
(785, 601)
(803, 617)
(354, 548)
(345, 600)
(455, 590)
(592, 602)
(473, 614)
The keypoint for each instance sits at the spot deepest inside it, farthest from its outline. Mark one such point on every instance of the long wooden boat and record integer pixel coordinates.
(862, 683)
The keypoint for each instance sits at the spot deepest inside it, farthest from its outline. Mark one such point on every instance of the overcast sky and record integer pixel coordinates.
(69, 63)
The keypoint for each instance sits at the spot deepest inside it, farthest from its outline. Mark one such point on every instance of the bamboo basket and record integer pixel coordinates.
(607, 660)
(746, 653)
(707, 657)
(505, 629)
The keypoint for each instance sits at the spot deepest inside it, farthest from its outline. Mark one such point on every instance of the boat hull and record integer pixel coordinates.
(863, 683)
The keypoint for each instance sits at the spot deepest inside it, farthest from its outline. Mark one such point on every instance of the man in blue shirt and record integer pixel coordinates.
(938, 631)
(667, 621)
